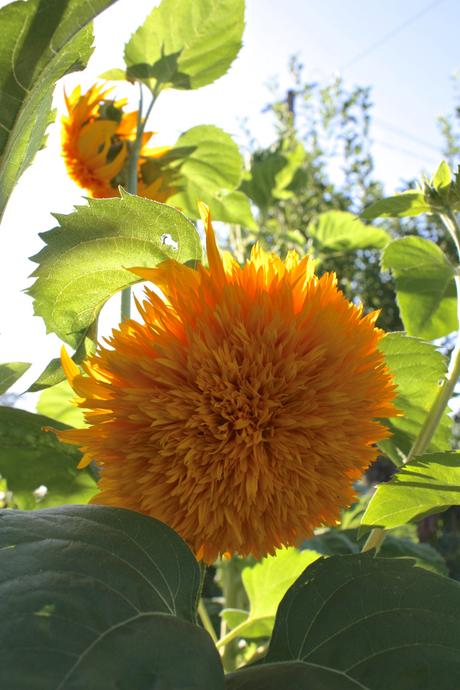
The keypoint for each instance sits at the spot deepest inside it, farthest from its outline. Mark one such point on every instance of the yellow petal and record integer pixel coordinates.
(216, 266)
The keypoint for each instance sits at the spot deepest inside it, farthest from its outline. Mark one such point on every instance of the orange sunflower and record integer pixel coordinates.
(96, 135)
(242, 408)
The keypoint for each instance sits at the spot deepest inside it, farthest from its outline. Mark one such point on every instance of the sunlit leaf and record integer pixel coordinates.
(362, 623)
(86, 258)
(98, 598)
(429, 484)
(42, 40)
(186, 44)
(340, 231)
(425, 286)
(442, 178)
(40, 470)
(209, 167)
(10, 373)
(266, 583)
(57, 402)
(417, 368)
(410, 203)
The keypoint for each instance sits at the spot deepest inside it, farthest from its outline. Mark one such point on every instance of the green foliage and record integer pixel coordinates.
(266, 583)
(31, 458)
(410, 203)
(86, 258)
(208, 167)
(57, 402)
(185, 44)
(10, 373)
(417, 368)
(109, 601)
(356, 621)
(429, 484)
(340, 231)
(42, 40)
(425, 286)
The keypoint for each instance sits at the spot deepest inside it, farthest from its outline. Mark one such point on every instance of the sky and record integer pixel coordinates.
(406, 51)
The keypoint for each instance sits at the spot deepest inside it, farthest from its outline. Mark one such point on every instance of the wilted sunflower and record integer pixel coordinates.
(96, 135)
(242, 409)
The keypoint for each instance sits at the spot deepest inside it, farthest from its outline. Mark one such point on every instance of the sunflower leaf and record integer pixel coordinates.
(355, 622)
(340, 231)
(57, 402)
(425, 286)
(192, 50)
(100, 598)
(417, 368)
(86, 259)
(429, 484)
(266, 583)
(208, 166)
(42, 40)
(410, 203)
(39, 469)
(10, 373)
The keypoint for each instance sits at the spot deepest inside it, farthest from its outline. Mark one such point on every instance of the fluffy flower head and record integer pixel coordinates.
(96, 136)
(243, 406)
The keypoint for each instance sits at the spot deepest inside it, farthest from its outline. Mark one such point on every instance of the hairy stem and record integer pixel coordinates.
(445, 391)
(133, 160)
(205, 619)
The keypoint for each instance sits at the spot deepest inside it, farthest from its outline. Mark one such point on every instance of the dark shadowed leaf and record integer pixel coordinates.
(96, 597)
(41, 41)
(40, 470)
(362, 623)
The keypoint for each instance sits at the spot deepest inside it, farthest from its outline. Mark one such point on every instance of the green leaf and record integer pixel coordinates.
(429, 484)
(362, 623)
(10, 373)
(417, 368)
(340, 231)
(209, 167)
(186, 44)
(425, 286)
(86, 258)
(57, 402)
(114, 74)
(410, 203)
(42, 40)
(266, 583)
(40, 470)
(442, 178)
(99, 598)
(54, 373)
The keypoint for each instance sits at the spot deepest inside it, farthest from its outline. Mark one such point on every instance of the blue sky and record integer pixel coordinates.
(408, 60)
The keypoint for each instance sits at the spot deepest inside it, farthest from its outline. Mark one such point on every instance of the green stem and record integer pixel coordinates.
(231, 587)
(232, 635)
(133, 160)
(445, 391)
(205, 619)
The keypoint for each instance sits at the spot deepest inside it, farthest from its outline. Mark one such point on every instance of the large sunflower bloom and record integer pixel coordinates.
(243, 407)
(95, 145)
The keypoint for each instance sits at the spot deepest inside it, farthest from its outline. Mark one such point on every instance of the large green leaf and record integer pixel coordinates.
(428, 484)
(58, 402)
(86, 258)
(42, 40)
(410, 203)
(40, 470)
(266, 583)
(425, 286)
(340, 231)
(10, 373)
(417, 368)
(362, 623)
(208, 166)
(185, 44)
(98, 598)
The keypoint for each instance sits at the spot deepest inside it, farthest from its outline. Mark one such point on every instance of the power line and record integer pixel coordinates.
(406, 135)
(406, 152)
(386, 37)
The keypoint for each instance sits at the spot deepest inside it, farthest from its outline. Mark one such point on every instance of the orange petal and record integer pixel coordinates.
(214, 259)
